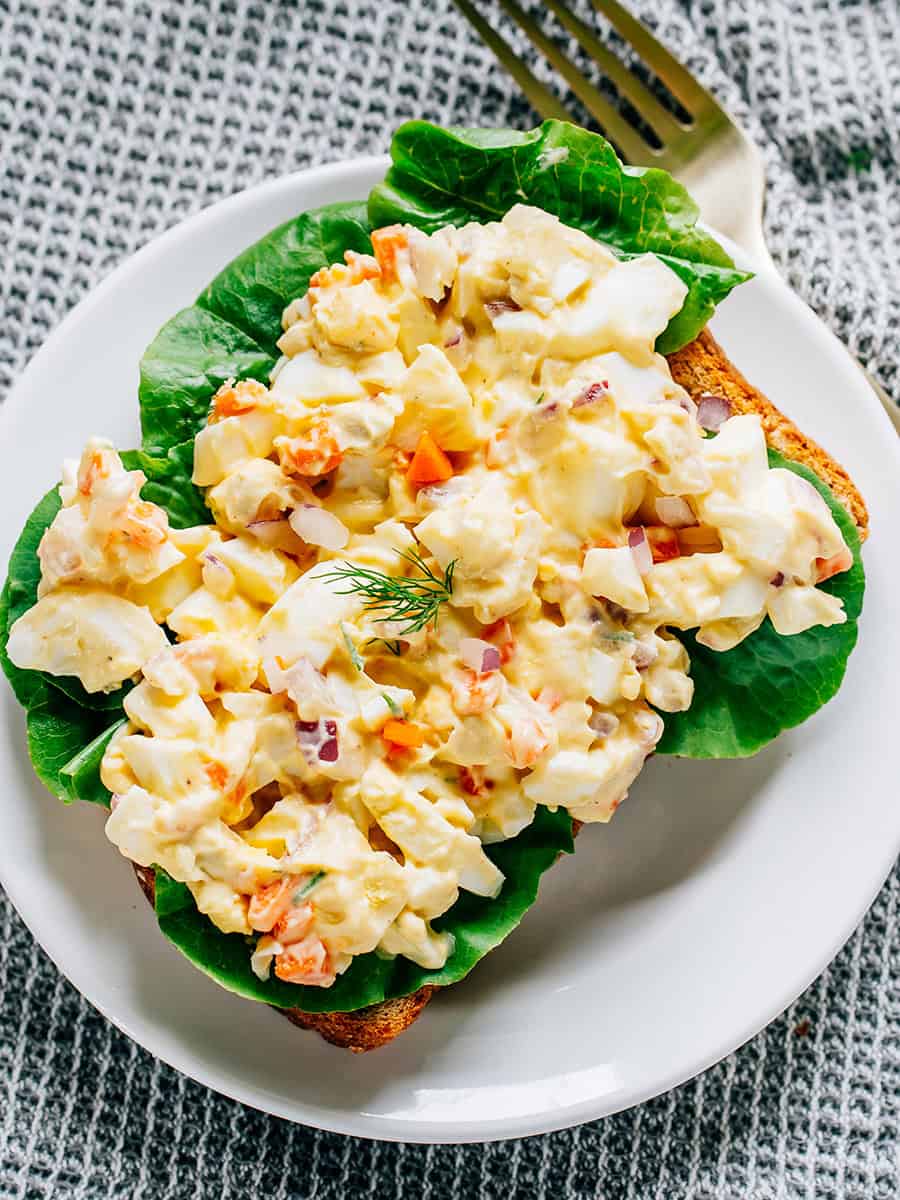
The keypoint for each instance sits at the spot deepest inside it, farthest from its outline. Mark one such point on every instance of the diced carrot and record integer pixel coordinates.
(403, 733)
(598, 544)
(473, 693)
(358, 267)
(526, 742)
(550, 698)
(362, 266)
(315, 453)
(233, 399)
(386, 243)
(270, 902)
(143, 524)
(305, 962)
(429, 463)
(663, 542)
(217, 773)
(97, 468)
(294, 922)
(826, 567)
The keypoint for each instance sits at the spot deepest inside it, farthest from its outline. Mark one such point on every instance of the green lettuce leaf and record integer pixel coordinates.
(20, 593)
(477, 925)
(59, 730)
(254, 289)
(232, 329)
(745, 697)
(80, 776)
(452, 176)
(182, 369)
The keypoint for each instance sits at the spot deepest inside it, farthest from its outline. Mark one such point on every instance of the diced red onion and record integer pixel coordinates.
(318, 739)
(329, 751)
(318, 527)
(777, 579)
(603, 723)
(713, 411)
(496, 308)
(457, 347)
(216, 576)
(640, 548)
(433, 495)
(471, 780)
(305, 685)
(276, 534)
(490, 660)
(502, 637)
(675, 512)
(274, 675)
(592, 394)
(267, 531)
(643, 654)
(479, 656)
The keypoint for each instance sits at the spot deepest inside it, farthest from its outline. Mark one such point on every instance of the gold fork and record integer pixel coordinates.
(708, 152)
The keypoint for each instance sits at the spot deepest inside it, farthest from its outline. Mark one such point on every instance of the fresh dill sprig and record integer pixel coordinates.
(308, 886)
(355, 656)
(415, 599)
(395, 648)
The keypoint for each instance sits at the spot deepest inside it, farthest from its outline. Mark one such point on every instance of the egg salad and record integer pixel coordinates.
(453, 534)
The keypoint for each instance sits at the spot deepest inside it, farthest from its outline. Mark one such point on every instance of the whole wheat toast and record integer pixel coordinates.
(700, 367)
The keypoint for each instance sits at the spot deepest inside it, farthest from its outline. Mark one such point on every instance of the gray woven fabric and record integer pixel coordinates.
(118, 119)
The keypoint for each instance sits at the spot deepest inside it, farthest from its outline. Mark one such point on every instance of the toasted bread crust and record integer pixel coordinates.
(367, 1028)
(700, 367)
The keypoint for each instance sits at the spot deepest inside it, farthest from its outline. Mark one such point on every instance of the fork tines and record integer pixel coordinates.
(661, 130)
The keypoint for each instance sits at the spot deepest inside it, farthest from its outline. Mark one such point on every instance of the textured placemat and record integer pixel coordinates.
(118, 119)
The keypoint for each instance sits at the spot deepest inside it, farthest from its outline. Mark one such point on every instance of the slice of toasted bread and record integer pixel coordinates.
(701, 367)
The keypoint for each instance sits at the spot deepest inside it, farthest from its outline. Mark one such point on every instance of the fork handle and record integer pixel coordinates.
(893, 410)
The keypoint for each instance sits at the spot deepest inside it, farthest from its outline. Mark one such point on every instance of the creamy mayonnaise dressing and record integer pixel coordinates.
(488, 397)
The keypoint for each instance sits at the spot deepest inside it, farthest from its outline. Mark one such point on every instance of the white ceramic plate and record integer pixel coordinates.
(715, 896)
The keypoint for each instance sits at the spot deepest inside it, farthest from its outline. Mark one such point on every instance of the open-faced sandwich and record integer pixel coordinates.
(448, 513)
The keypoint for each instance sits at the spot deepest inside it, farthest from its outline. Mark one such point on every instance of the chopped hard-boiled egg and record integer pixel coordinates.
(101, 638)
